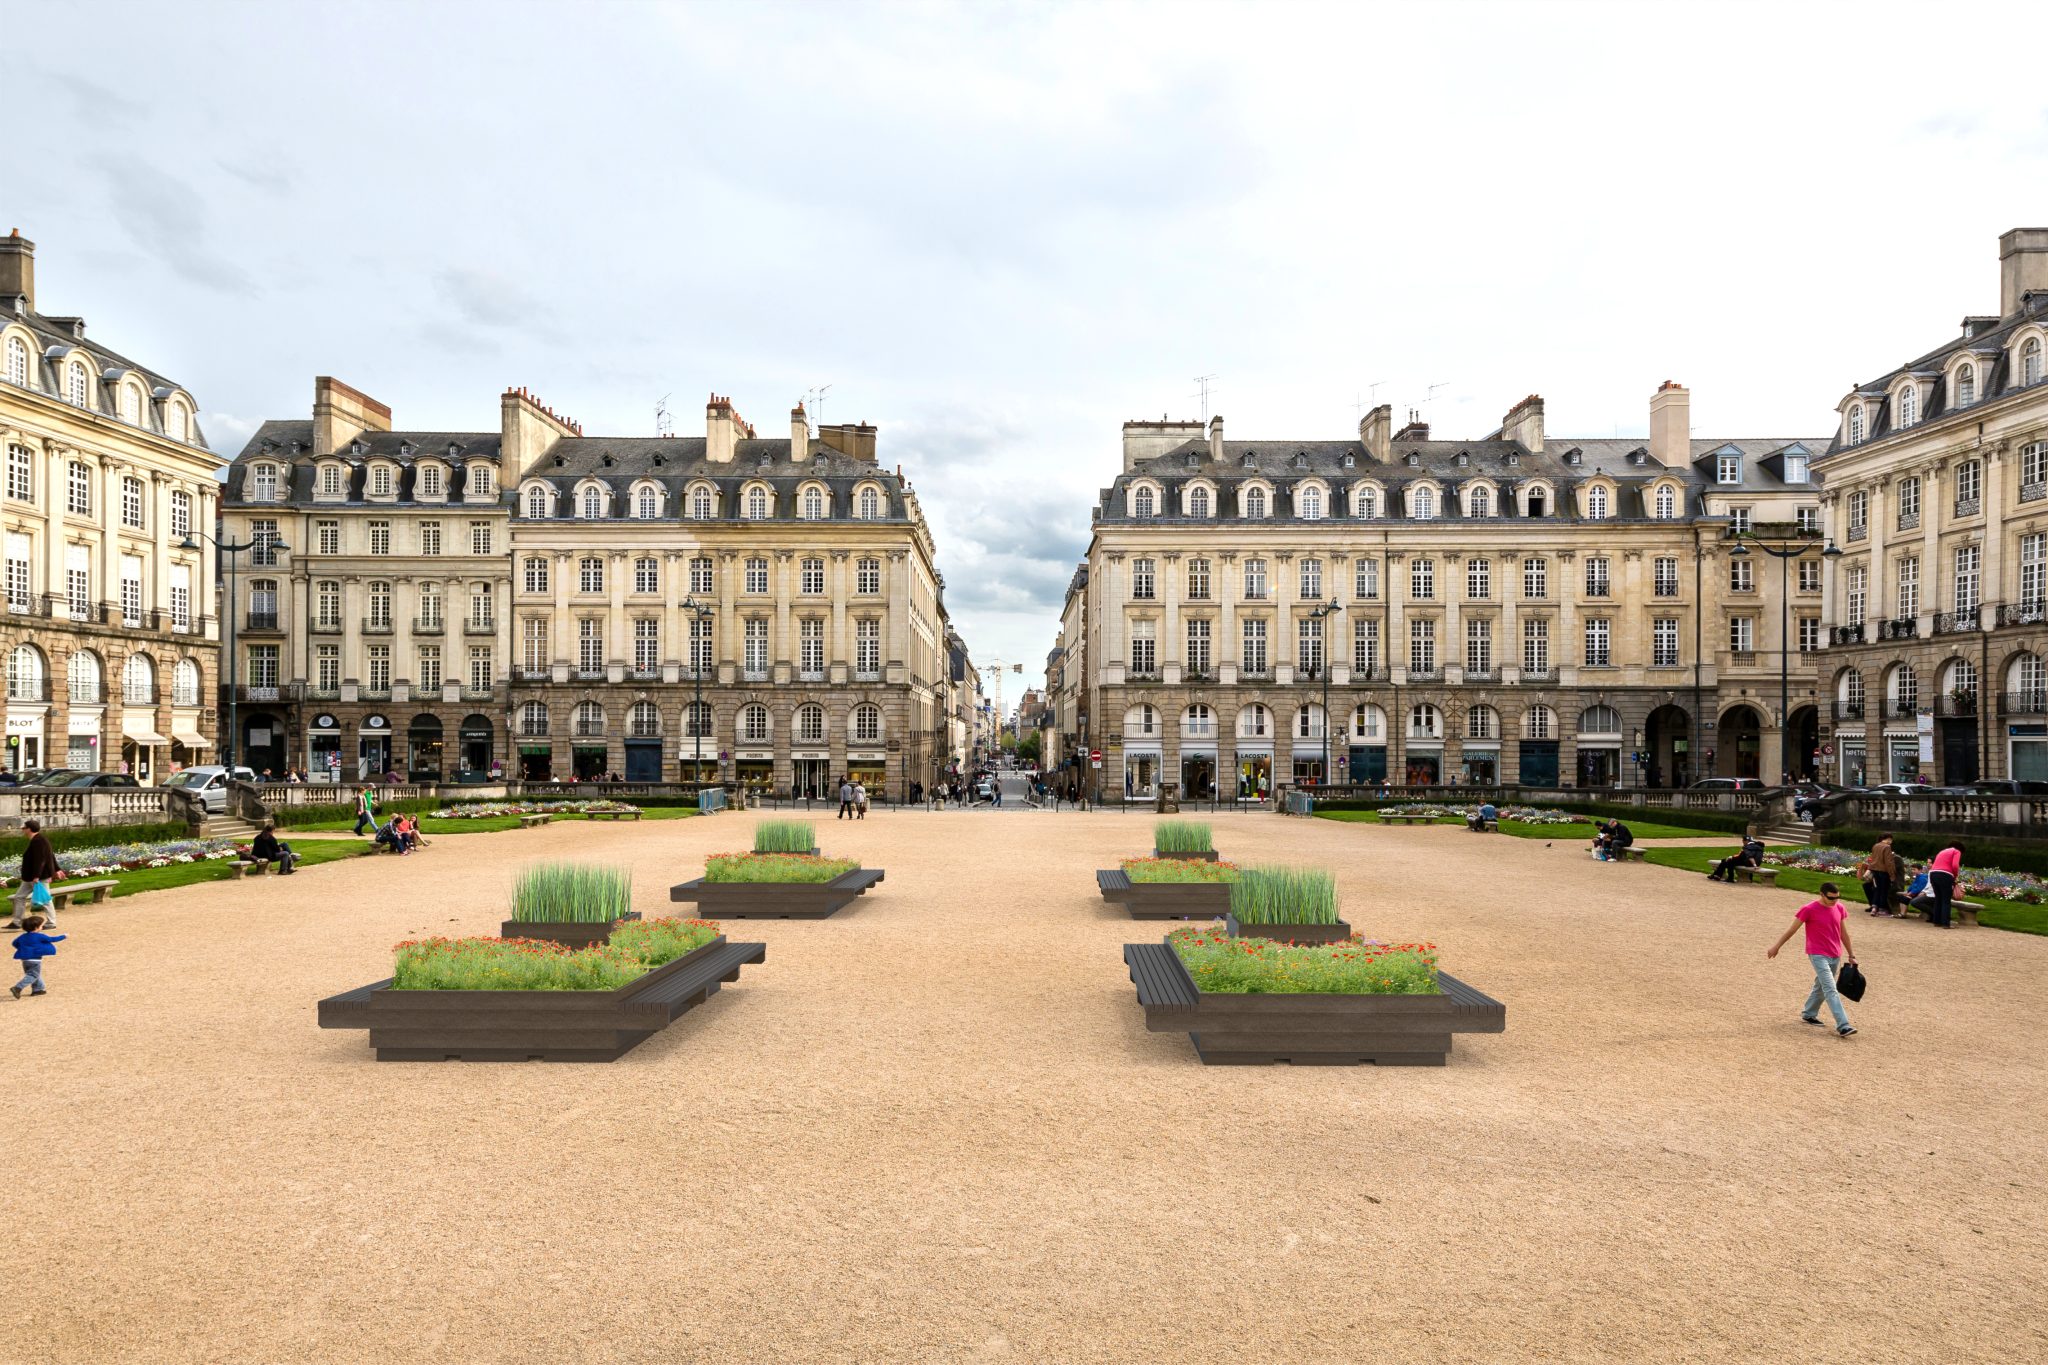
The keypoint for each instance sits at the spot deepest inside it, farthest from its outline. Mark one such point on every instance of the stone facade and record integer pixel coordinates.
(1586, 612)
(1937, 492)
(109, 635)
(553, 604)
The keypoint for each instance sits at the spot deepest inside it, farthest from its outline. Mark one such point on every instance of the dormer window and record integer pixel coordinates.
(593, 504)
(1667, 502)
(483, 481)
(427, 482)
(1464, 460)
(1198, 502)
(2030, 362)
(1142, 503)
(1596, 503)
(1368, 503)
(405, 448)
(1795, 467)
(1250, 461)
(1255, 502)
(81, 383)
(1574, 456)
(380, 481)
(1311, 508)
(1413, 459)
(1856, 424)
(1350, 462)
(1638, 457)
(537, 502)
(357, 448)
(1514, 458)
(1728, 468)
(1194, 461)
(1479, 503)
(263, 483)
(1300, 460)
(1422, 503)
(333, 483)
(1966, 386)
(1909, 407)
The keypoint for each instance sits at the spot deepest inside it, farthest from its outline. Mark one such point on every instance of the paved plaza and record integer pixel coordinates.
(933, 1128)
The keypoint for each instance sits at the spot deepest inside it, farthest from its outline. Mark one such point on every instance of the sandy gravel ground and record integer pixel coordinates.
(934, 1129)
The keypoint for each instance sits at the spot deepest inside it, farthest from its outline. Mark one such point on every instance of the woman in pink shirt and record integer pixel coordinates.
(1827, 945)
(1941, 880)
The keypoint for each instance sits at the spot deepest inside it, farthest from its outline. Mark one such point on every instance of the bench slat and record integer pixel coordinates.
(685, 988)
(1161, 981)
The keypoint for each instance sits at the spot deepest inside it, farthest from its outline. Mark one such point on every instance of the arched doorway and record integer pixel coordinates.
(1738, 747)
(476, 755)
(1667, 738)
(263, 743)
(423, 749)
(1804, 732)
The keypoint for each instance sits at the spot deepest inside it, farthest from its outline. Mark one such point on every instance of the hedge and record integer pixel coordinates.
(1712, 821)
(94, 836)
(2007, 855)
(289, 817)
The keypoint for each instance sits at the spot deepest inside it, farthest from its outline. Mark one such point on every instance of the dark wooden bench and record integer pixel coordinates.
(776, 900)
(1164, 900)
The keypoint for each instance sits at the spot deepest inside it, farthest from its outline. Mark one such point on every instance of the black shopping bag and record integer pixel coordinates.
(1849, 981)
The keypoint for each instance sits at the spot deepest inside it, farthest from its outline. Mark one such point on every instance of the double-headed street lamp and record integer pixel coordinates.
(227, 554)
(697, 612)
(1320, 614)
(1784, 558)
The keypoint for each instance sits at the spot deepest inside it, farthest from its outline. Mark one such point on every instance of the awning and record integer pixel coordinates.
(191, 739)
(137, 729)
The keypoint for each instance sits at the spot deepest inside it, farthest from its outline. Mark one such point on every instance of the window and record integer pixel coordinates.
(1854, 586)
(1667, 503)
(1144, 648)
(593, 504)
(697, 720)
(1479, 503)
(25, 673)
(867, 724)
(1969, 488)
(2030, 361)
(1308, 648)
(1252, 658)
(378, 606)
(131, 592)
(2033, 471)
(1969, 562)
(78, 488)
(700, 575)
(1909, 407)
(1966, 386)
(1795, 467)
(138, 681)
(1422, 647)
(867, 577)
(380, 537)
(1664, 576)
(1143, 579)
(17, 361)
(1254, 722)
(1905, 690)
(536, 573)
(1198, 722)
(1368, 723)
(1664, 642)
(1141, 503)
(1536, 647)
(430, 605)
(757, 575)
(479, 537)
(646, 575)
(700, 645)
(185, 683)
(1742, 634)
(1908, 499)
(1482, 722)
(1739, 520)
(589, 646)
(1198, 580)
(1596, 503)
(1255, 580)
(327, 605)
(811, 647)
(131, 501)
(1365, 648)
(483, 483)
(1368, 503)
(83, 675)
(867, 648)
(533, 649)
(482, 605)
(813, 505)
(590, 574)
(1198, 646)
(1809, 634)
(1365, 580)
(755, 641)
(870, 504)
(430, 537)
(647, 503)
(1478, 645)
(1536, 579)
(1598, 638)
(757, 503)
(644, 720)
(533, 719)
(1255, 502)
(20, 472)
(537, 503)
(1311, 580)
(377, 674)
(1728, 468)
(1856, 425)
(427, 482)
(1741, 575)
(1198, 502)
(587, 720)
(1422, 503)
(331, 485)
(2034, 571)
(1859, 514)
(81, 383)
(1425, 722)
(1809, 575)
(1807, 519)
(18, 595)
(646, 646)
(1308, 722)
(380, 481)
(703, 503)
(1311, 504)
(326, 535)
(1596, 575)
(1422, 579)
(1479, 579)
(181, 597)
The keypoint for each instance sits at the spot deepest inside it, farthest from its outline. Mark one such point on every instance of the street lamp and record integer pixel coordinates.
(1784, 558)
(1320, 613)
(227, 554)
(697, 612)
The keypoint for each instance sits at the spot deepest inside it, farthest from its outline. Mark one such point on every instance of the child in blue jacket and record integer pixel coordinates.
(30, 948)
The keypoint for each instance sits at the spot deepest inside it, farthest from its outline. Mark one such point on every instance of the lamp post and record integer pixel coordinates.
(227, 554)
(1320, 614)
(1784, 558)
(697, 611)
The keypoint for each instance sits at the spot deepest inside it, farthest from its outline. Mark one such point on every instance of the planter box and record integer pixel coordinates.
(1332, 1030)
(576, 934)
(1291, 933)
(1206, 855)
(1164, 900)
(549, 1026)
(776, 900)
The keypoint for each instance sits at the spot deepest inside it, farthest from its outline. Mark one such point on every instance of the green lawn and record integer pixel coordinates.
(1578, 829)
(430, 826)
(1997, 914)
(184, 874)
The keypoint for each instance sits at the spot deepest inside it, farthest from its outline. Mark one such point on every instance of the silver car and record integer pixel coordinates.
(209, 783)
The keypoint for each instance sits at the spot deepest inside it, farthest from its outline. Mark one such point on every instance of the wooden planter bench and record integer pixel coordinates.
(1207, 855)
(529, 821)
(776, 900)
(62, 894)
(611, 815)
(1290, 933)
(1768, 876)
(1164, 900)
(1329, 1030)
(548, 1026)
(575, 933)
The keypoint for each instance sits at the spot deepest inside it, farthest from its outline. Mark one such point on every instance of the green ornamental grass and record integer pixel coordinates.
(495, 964)
(1181, 836)
(571, 893)
(1284, 895)
(785, 836)
(775, 867)
(1177, 870)
(1225, 965)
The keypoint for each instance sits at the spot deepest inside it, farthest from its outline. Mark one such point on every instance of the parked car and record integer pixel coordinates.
(209, 783)
(1727, 784)
(22, 777)
(55, 777)
(102, 780)
(2006, 787)
(1911, 789)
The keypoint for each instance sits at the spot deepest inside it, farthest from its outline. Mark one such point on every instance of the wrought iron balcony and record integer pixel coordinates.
(376, 625)
(1957, 704)
(2023, 614)
(1909, 521)
(325, 625)
(1956, 622)
(1846, 635)
(1901, 708)
(1376, 673)
(1539, 675)
(2027, 701)
(425, 627)
(1859, 532)
(1482, 675)
(1899, 628)
(261, 622)
(2033, 492)
(1969, 507)
(487, 626)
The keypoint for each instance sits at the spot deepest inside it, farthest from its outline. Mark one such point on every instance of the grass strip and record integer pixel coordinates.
(793, 868)
(498, 964)
(1178, 871)
(1997, 914)
(785, 836)
(1261, 966)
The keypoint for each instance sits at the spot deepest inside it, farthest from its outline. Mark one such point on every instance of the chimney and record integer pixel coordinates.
(1216, 438)
(340, 414)
(18, 267)
(721, 430)
(854, 439)
(799, 434)
(2022, 268)
(1524, 423)
(1376, 432)
(527, 431)
(1146, 440)
(1416, 430)
(1671, 425)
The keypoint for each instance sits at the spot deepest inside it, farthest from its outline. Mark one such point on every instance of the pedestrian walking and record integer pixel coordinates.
(1884, 875)
(1941, 880)
(30, 948)
(845, 799)
(38, 865)
(1827, 946)
(366, 809)
(860, 800)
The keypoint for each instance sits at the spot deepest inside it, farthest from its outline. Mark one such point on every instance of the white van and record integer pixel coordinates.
(210, 784)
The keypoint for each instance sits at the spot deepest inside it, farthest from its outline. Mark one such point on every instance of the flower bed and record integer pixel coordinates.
(1143, 871)
(776, 885)
(1526, 815)
(1975, 883)
(798, 868)
(1261, 966)
(496, 810)
(514, 964)
(109, 859)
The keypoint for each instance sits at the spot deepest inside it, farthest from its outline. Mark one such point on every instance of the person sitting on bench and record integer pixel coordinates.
(1612, 841)
(1751, 854)
(268, 849)
(1484, 816)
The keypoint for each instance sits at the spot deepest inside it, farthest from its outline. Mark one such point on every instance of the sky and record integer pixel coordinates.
(999, 230)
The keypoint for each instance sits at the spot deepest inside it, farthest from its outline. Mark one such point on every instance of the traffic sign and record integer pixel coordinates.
(1095, 755)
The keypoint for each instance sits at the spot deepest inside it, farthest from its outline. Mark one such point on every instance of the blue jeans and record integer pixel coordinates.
(1824, 989)
(31, 976)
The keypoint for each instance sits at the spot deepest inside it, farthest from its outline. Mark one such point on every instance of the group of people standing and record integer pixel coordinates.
(1933, 892)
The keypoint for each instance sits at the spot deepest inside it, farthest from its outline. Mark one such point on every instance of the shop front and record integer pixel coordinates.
(24, 739)
(423, 749)
(643, 760)
(754, 770)
(1254, 772)
(1365, 763)
(1854, 767)
(1424, 766)
(139, 746)
(699, 760)
(1141, 773)
(323, 748)
(536, 762)
(2027, 752)
(590, 762)
(82, 746)
(1481, 763)
(813, 768)
(1599, 765)
(478, 751)
(1198, 774)
(1538, 767)
(188, 746)
(871, 769)
(373, 747)
(1902, 755)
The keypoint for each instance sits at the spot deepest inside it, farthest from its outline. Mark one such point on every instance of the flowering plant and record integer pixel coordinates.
(522, 964)
(108, 859)
(1989, 883)
(1143, 870)
(1259, 966)
(776, 867)
(491, 810)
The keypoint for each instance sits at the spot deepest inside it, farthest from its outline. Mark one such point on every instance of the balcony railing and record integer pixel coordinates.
(1371, 673)
(1539, 675)
(2023, 614)
(1664, 661)
(1596, 590)
(1957, 704)
(317, 693)
(261, 621)
(1899, 628)
(1742, 658)
(376, 625)
(588, 675)
(374, 693)
(1969, 507)
(1909, 521)
(1664, 590)
(1481, 675)
(28, 689)
(325, 625)
(138, 696)
(424, 626)
(1858, 532)
(2033, 492)
(477, 693)
(1846, 635)
(472, 626)
(1956, 622)
(2027, 701)
(531, 674)
(1901, 708)
(89, 694)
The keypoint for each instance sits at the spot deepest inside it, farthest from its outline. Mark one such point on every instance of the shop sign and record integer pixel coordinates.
(25, 725)
(375, 723)
(85, 722)
(324, 721)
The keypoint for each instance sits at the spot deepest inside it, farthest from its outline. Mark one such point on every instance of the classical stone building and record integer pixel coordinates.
(1937, 492)
(109, 633)
(765, 611)
(1589, 612)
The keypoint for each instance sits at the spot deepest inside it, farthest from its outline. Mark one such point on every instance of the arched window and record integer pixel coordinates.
(1856, 425)
(177, 421)
(138, 681)
(1596, 503)
(1667, 502)
(1480, 504)
(1902, 691)
(1539, 722)
(381, 481)
(1482, 722)
(537, 502)
(1198, 722)
(646, 503)
(1961, 681)
(644, 720)
(533, 718)
(697, 720)
(1368, 503)
(1966, 386)
(1255, 502)
(1141, 503)
(1849, 693)
(1142, 721)
(1254, 722)
(867, 724)
(1311, 504)
(185, 683)
(754, 723)
(593, 503)
(26, 674)
(263, 483)
(80, 382)
(1198, 502)
(588, 720)
(814, 504)
(427, 481)
(703, 503)
(757, 503)
(1422, 503)
(1909, 406)
(2030, 361)
(1308, 722)
(1368, 724)
(1600, 720)
(870, 504)
(86, 677)
(131, 405)
(2027, 679)
(810, 724)
(1425, 722)
(17, 361)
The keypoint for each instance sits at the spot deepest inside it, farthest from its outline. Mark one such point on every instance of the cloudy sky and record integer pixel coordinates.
(998, 230)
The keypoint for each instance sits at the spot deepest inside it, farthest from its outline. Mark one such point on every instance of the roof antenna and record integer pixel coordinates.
(664, 425)
(1359, 405)
(1205, 381)
(814, 405)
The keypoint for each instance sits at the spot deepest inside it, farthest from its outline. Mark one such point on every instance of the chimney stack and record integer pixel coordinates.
(1376, 432)
(721, 430)
(18, 267)
(799, 434)
(1524, 423)
(2022, 268)
(1216, 439)
(341, 413)
(1671, 425)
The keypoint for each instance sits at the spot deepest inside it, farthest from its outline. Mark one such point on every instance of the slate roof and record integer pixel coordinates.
(60, 332)
(1992, 345)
